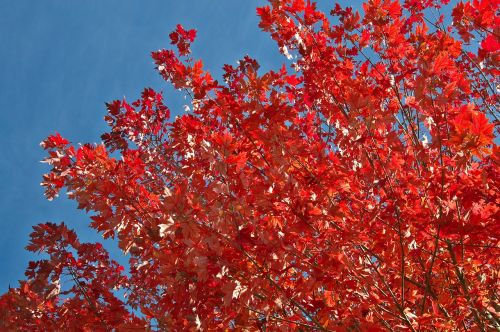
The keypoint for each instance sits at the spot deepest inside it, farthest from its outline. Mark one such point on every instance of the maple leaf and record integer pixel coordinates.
(490, 43)
(473, 132)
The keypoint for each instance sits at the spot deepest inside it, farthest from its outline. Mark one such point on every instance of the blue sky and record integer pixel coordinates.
(60, 61)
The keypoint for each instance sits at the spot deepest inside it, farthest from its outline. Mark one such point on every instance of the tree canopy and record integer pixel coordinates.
(353, 189)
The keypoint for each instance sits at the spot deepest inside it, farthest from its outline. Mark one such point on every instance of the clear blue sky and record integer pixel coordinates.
(61, 60)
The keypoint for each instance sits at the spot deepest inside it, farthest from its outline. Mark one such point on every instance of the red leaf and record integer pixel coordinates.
(490, 43)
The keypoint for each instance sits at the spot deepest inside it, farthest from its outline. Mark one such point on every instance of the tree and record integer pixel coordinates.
(354, 189)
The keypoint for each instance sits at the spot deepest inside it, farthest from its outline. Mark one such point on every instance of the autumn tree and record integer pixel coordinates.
(353, 189)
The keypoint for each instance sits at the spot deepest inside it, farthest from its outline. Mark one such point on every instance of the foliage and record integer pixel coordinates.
(354, 189)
